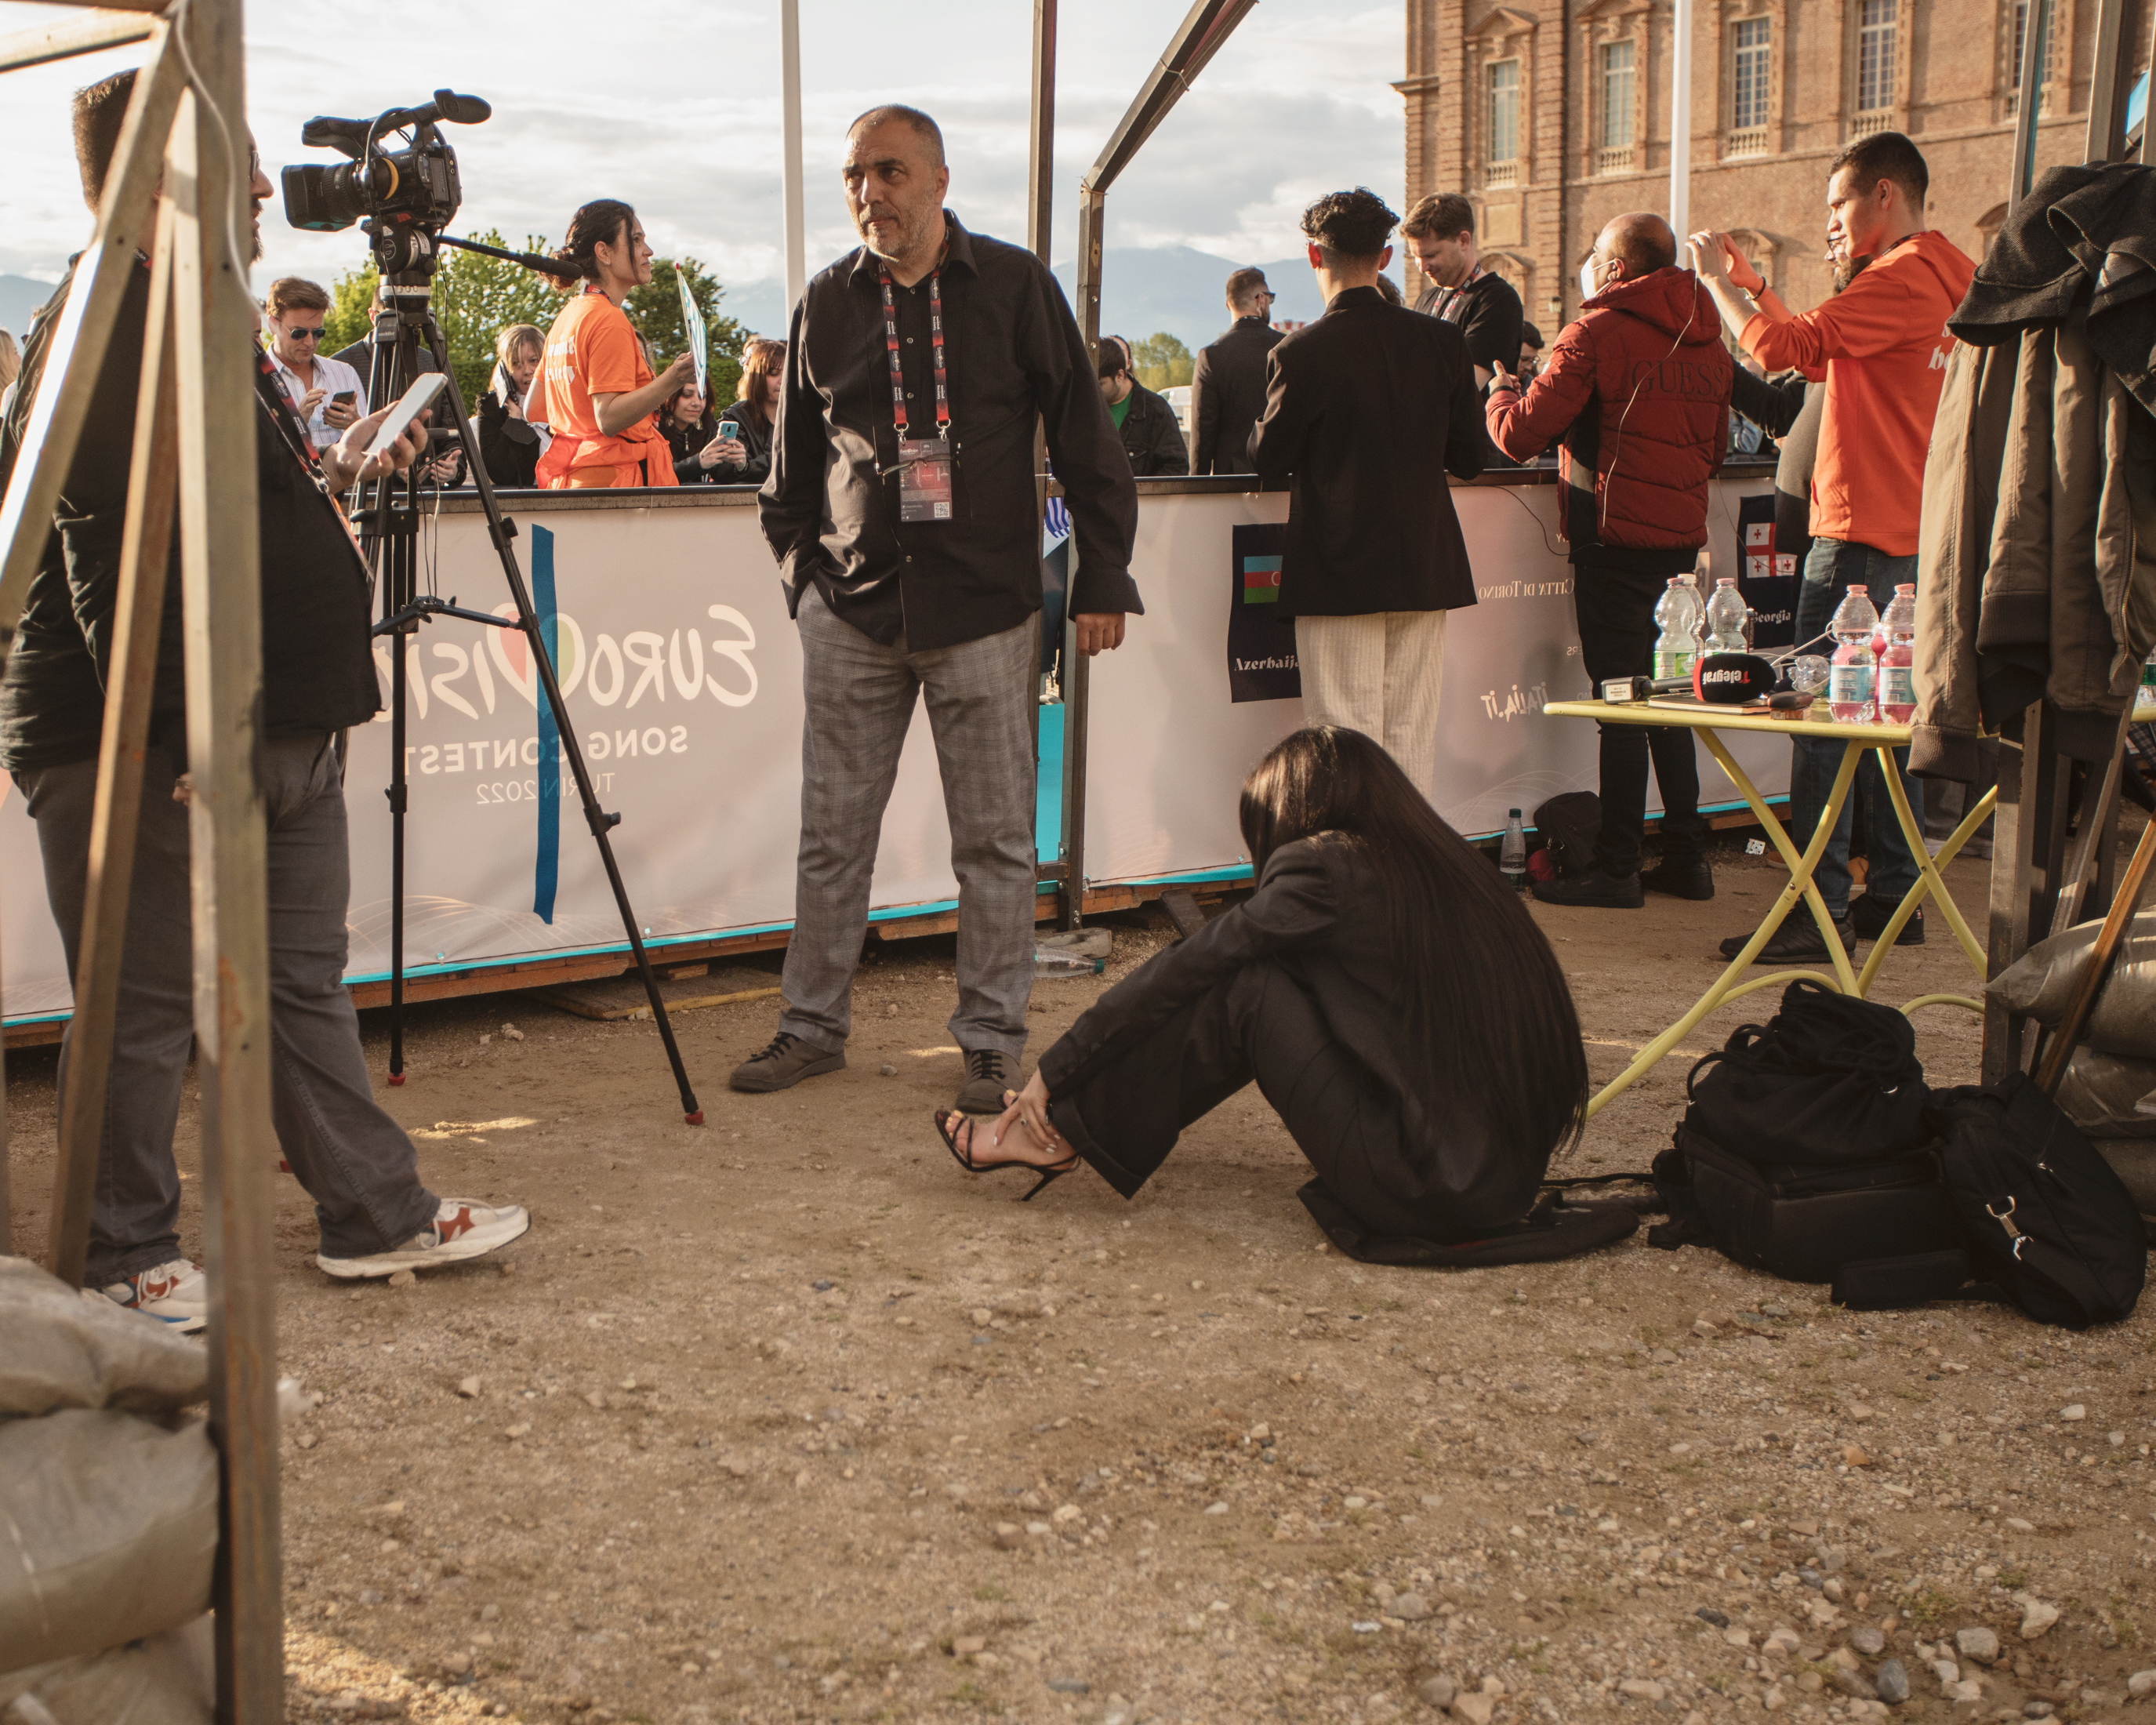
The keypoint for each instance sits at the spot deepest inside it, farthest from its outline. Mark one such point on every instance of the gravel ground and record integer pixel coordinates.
(786, 1418)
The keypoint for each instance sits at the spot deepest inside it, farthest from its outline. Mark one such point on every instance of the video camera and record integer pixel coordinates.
(395, 191)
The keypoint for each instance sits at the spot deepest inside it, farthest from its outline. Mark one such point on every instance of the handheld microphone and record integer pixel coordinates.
(1732, 679)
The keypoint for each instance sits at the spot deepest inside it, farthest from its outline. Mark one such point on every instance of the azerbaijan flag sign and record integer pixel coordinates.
(1261, 663)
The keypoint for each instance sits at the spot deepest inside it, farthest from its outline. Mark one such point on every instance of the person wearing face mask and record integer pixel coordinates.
(901, 508)
(1883, 345)
(596, 387)
(1637, 390)
(511, 441)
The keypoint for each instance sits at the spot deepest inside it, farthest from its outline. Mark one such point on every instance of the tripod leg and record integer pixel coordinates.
(596, 818)
(399, 801)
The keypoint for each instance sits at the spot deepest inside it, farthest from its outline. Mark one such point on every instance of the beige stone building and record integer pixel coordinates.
(1553, 116)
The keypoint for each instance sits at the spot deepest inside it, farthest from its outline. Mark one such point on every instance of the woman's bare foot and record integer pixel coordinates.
(1019, 1142)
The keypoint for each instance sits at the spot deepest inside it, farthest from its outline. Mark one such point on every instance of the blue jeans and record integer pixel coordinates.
(1833, 565)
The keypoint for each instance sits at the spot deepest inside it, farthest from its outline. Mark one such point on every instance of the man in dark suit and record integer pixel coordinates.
(1228, 390)
(1364, 409)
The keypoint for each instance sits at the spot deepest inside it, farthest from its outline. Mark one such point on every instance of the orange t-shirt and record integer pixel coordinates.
(593, 351)
(1884, 342)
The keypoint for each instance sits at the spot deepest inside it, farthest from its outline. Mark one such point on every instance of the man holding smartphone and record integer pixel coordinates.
(328, 396)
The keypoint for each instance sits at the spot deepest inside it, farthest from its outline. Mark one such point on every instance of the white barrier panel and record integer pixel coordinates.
(1166, 748)
(683, 677)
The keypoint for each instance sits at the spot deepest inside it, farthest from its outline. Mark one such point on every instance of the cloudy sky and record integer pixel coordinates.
(674, 106)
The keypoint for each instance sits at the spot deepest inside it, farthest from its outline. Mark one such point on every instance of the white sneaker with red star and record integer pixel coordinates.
(463, 1228)
(177, 1294)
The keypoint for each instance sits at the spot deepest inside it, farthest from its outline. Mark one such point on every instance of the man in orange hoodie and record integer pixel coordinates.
(1881, 346)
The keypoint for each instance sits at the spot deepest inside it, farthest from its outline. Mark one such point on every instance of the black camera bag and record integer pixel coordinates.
(1829, 1080)
(2045, 1218)
(1805, 1221)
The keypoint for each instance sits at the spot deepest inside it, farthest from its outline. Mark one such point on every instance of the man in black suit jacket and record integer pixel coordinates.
(1366, 409)
(1228, 390)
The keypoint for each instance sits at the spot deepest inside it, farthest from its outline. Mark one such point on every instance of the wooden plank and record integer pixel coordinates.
(138, 6)
(618, 999)
(78, 341)
(2009, 900)
(42, 46)
(1183, 910)
(131, 687)
(220, 564)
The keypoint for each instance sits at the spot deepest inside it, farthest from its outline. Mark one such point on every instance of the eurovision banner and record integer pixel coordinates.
(1261, 662)
(682, 680)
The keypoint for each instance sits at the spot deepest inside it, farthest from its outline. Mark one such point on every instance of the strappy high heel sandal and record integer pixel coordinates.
(948, 1122)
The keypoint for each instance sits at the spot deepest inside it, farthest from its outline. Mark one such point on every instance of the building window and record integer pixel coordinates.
(2021, 45)
(1875, 28)
(1502, 115)
(1619, 73)
(1749, 85)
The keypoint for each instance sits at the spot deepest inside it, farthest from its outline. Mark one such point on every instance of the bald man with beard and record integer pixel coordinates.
(1637, 393)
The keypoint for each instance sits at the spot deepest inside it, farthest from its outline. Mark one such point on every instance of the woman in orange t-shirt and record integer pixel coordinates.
(596, 391)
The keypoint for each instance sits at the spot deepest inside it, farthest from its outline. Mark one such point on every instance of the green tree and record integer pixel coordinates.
(1161, 361)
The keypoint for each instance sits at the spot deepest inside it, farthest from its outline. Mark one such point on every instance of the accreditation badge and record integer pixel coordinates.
(924, 479)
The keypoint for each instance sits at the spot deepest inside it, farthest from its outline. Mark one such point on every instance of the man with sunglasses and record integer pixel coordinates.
(328, 396)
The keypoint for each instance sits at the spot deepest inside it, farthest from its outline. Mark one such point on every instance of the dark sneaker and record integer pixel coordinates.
(1797, 941)
(1681, 878)
(1595, 890)
(785, 1061)
(1872, 921)
(462, 1228)
(988, 1074)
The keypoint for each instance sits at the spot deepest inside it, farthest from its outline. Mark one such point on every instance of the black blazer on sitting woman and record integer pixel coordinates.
(687, 442)
(1386, 991)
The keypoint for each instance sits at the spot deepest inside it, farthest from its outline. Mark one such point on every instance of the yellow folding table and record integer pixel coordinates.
(1882, 739)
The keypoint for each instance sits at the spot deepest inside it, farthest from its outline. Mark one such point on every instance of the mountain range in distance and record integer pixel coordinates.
(20, 296)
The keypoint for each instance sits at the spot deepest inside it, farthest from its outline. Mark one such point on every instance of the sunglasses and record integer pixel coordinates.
(305, 335)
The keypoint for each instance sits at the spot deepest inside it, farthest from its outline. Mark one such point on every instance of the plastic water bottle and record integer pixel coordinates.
(1512, 853)
(1047, 964)
(1728, 618)
(1852, 693)
(1677, 612)
(1898, 692)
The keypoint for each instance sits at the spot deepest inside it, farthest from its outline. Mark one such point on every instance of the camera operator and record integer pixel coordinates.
(511, 442)
(375, 1215)
(596, 386)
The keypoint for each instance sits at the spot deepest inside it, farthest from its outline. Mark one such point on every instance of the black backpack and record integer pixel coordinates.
(1829, 1080)
(1569, 825)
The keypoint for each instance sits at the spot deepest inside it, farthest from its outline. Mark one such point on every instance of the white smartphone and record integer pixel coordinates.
(409, 406)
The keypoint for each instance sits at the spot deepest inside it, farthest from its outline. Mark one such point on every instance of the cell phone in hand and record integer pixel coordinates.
(409, 406)
(729, 427)
(344, 398)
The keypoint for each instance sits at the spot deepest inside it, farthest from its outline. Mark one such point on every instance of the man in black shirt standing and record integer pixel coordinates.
(1228, 386)
(901, 508)
(375, 1215)
(1485, 306)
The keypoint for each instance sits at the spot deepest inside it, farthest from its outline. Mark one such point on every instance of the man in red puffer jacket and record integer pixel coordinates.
(1637, 389)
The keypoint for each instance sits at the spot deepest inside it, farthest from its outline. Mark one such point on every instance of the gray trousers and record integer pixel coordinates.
(353, 1159)
(860, 698)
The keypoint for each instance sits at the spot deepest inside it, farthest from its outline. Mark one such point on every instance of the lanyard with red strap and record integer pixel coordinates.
(924, 463)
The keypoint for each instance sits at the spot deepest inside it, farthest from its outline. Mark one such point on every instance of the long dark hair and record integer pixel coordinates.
(1482, 998)
(602, 222)
(760, 357)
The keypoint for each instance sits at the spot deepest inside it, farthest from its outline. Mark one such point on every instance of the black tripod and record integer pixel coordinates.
(388, 523)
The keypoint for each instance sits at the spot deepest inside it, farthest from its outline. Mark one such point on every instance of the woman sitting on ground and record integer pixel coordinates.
(1388, 993)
